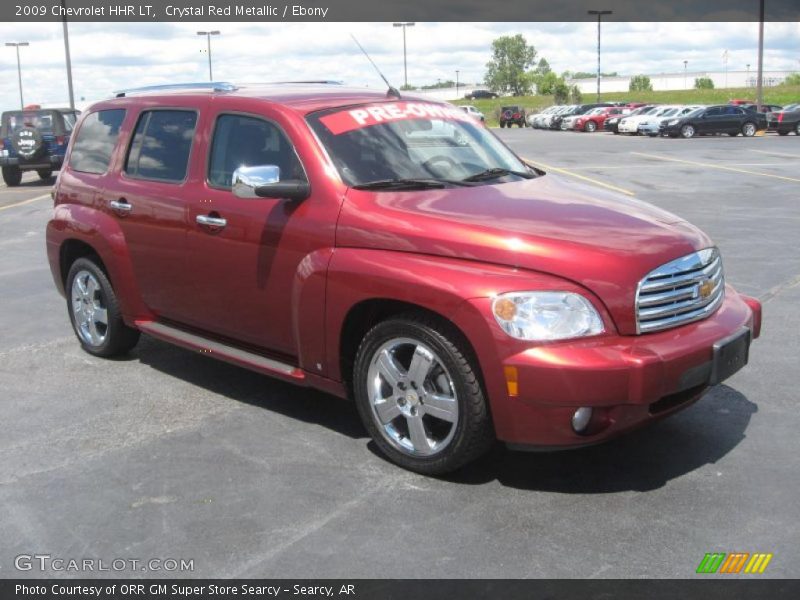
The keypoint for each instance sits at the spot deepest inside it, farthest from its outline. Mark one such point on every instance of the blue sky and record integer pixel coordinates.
(109, 56)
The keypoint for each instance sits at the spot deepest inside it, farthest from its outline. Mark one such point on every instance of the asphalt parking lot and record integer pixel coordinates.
(168, 454)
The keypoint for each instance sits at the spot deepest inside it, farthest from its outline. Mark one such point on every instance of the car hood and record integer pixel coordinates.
(603, 241)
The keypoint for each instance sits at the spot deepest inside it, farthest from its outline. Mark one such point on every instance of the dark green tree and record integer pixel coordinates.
(703, 83)
(640, 83)
(511, 58)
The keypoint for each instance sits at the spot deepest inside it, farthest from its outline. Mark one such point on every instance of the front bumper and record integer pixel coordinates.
(628, 128)
(648, 129)
(628, 381)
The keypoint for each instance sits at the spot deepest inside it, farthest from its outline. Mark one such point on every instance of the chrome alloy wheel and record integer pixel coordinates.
(88, 309)
(412, 396)
(749, 130)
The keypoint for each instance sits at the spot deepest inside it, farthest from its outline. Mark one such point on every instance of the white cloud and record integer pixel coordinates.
(109, 56)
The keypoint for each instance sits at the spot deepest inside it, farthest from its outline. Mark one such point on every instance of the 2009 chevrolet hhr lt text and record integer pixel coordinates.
(393, 250)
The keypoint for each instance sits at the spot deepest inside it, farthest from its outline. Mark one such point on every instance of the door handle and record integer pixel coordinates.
(210, 221)
(121, 205)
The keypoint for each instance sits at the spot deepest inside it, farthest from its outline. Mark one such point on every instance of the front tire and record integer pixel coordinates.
(94, 311)
(44, 174)
(419, 395)
(502, 125)
(688, 131)
(12, 176)
(590, 127)
(797, 128)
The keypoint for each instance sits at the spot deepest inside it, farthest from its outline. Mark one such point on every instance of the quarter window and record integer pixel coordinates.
(96, 141)
(241, 141)
(161, 145)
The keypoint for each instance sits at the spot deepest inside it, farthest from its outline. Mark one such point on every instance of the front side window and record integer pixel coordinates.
(161, 145)
(96, 140)
(243, 141)
(411, 141)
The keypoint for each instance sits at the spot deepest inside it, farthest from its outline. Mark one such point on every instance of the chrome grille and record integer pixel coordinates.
(684, 290)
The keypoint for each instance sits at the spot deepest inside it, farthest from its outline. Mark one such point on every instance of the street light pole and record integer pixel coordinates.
(69, 61)
(599, 14)
(405, 62)
(685, 65)
(457, 72)
(208, 35)
(760, 82)
(19, 70)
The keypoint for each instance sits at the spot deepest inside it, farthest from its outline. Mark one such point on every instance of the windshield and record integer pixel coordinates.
(392, 141)
(669, 113)
(695, 113)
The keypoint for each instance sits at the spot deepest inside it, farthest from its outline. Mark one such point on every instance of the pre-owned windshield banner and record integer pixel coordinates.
(407, 10)
(375, 114)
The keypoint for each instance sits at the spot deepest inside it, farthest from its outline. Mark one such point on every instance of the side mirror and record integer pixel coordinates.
(265, 182)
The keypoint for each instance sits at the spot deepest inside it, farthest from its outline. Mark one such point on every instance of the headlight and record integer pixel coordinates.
(546, 315)
(673, 122)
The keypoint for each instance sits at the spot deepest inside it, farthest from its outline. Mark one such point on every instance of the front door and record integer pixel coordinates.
(246, 256)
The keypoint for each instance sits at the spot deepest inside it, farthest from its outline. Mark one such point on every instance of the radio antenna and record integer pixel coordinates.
(392, 90)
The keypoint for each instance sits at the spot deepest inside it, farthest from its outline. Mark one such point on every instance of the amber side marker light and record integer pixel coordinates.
(512, 383)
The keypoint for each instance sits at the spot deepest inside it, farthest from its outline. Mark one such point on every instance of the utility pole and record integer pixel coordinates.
(405, 62)
(685, 65)
(760, 82)
(19, 70)
(457, 72)
(66, 52)
(208, 35)
(599, 14)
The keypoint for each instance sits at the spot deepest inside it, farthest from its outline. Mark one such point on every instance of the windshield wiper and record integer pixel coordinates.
(407, 184)
(496, 173)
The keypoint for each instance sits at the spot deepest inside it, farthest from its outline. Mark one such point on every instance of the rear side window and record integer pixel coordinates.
(96, 139)
(161, 145)
(242, 141)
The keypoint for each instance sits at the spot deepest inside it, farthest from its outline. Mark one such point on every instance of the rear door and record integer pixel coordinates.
(148, 199)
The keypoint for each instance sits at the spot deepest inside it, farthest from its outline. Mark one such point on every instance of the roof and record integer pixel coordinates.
(303, 97)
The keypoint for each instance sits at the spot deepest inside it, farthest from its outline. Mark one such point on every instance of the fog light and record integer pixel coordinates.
(581, 418)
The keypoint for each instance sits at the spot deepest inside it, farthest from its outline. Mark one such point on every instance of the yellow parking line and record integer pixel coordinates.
(23, 202)
(719, 167)
(578, 176)
(777, 153)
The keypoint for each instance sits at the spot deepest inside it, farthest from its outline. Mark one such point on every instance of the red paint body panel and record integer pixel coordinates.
(283, 276)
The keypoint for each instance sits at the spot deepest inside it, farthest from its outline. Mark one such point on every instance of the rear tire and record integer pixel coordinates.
(44, 174)
(94, 311)
(784, 133)
(749, 129)
(797, 128)
(419, 395)
(502, 125)
(733, 134)
(590, 127)
(12, 176)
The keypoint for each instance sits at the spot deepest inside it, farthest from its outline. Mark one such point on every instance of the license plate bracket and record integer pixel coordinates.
(730, 355)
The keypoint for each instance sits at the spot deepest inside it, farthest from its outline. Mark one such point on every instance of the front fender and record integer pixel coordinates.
(102, 233)
(444, 286)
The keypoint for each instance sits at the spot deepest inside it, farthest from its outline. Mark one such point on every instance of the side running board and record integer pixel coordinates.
(208, 347)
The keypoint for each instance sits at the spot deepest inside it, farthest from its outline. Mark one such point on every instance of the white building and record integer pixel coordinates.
(683, 81)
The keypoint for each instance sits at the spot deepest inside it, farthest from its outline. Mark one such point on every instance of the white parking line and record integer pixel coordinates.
(776, 153)
(715, 166)
(23, 202)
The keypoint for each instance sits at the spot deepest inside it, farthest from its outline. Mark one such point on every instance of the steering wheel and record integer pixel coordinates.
(439, 158)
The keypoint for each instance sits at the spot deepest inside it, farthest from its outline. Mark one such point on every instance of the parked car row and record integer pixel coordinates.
(670, 120)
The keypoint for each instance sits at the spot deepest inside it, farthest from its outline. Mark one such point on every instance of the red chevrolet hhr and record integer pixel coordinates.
(393, 250)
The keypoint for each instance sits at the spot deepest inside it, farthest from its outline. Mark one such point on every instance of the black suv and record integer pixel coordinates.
(34, 139)
(512, 115)
(480, 95)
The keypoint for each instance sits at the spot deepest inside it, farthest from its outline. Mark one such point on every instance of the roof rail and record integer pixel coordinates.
(216, 86)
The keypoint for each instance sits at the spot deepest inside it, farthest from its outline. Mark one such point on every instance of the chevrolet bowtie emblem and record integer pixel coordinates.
(705, 289)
